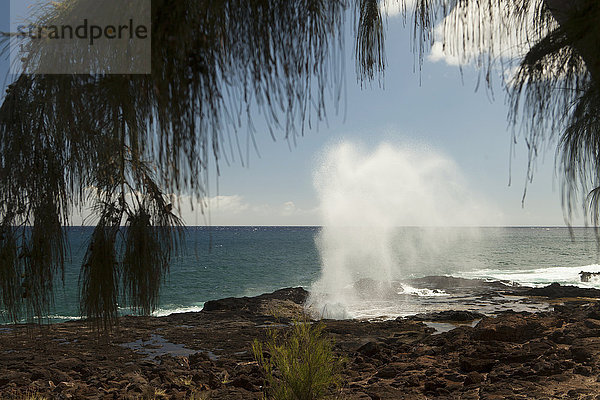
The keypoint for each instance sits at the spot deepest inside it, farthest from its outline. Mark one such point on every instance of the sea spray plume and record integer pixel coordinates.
(364, 198)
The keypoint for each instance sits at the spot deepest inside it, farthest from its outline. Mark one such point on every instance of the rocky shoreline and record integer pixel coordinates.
(503, 354)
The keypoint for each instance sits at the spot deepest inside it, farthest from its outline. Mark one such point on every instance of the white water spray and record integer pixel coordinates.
(365, 198)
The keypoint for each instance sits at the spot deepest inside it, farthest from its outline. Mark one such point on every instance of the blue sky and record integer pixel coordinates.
(435, 109)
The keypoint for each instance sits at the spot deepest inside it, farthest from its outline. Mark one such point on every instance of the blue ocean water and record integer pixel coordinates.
(244, 261)
(216, 262)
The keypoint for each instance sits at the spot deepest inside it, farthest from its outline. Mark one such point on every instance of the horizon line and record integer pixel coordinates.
(361, 226)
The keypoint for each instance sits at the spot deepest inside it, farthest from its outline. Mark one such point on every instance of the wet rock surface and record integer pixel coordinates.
(555, 291)
(510, 355)
(448, 315)
(254, 305)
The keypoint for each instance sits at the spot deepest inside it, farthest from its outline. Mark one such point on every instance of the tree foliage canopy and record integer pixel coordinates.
(126, 143)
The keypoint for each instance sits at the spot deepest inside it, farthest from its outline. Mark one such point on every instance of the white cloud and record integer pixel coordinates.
(236, 210)
(228, 204)
(439, 54)
(468, 34)
(289, 208)
(395, 8)
(475, 31)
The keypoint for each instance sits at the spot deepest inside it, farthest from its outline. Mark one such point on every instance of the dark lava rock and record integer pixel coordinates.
(582, 370)
(580, 353)
(592, 324)
(594, 312)
(587, 276)
(434, 384)
(15, 377)
(473, 378)
(387, 372)
(511, 356)
(244, 383)
(369, 349)
(197, 358)
(556, 290)
(560, 337)
(546, 368)
(469, 364)
(297, 295)
(571, 307)
(460, 285)
(373, 396)
(450, 315)
(511, 328)
(446, 282)
(213, 381)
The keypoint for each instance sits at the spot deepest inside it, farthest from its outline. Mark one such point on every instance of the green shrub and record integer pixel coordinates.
(300, 364)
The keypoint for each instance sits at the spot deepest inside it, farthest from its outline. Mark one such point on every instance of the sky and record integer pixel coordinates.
(436, 109)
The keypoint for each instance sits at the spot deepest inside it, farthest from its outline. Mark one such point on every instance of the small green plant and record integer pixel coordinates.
(300, 364)
(185, 380)
(196, 395)
(152, 393)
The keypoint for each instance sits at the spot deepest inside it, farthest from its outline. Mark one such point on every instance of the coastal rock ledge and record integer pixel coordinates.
(513, 355)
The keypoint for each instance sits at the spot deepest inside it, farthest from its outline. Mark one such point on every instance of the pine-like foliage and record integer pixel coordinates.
(99, 277)
(548, 52)
(126, 144)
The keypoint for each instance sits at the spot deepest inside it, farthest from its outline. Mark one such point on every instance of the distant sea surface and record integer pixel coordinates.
(220, 262)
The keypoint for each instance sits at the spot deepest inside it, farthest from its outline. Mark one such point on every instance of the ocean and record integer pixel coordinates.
(219, 262)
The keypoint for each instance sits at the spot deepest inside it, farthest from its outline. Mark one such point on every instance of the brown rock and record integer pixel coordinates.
(244, 383)
(448, 315)
(508, 329)
(473, 378)
(412, 381)
(582, 370)
(469, 364)
(387, 372)
(15, 378)
(434, 384)
(504, 357)
(213, 381)
(580, 353)
(369, 349)
(592, 324)
(296, 295)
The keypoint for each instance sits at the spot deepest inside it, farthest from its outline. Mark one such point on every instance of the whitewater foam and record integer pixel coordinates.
(422, 292)
(537, 277)
(163, 312)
